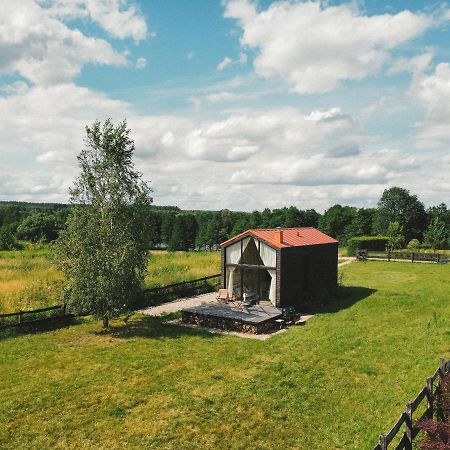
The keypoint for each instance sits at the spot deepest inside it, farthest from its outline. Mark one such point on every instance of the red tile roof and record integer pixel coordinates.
(291, 237)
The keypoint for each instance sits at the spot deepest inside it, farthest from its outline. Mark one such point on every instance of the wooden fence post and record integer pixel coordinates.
(429, 384)
(442, 366)
(20, 316)
(383, 442)
(409, 427)
(412, 257)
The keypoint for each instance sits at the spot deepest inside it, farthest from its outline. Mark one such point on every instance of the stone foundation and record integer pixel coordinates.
(221, 323)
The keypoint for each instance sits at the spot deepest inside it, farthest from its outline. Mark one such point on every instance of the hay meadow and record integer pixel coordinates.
(29, 281)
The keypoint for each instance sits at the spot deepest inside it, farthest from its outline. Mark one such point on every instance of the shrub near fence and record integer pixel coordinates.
(150, 297)
(407, 425)
(371, 243)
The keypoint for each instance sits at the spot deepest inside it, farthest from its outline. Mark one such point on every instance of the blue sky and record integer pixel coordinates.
(233, 104)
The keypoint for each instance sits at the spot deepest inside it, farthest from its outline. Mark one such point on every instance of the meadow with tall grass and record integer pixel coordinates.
(28, 280)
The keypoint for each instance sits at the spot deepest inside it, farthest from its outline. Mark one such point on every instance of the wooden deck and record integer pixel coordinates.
(252, 319)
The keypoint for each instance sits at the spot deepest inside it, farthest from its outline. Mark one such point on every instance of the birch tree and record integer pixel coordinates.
(103, 250)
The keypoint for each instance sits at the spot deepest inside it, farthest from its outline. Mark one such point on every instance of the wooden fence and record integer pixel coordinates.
(149, 297)
(162, 294)
(404, 256)
(406, 425)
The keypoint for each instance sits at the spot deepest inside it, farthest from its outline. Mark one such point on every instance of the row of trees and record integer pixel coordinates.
(399, 214)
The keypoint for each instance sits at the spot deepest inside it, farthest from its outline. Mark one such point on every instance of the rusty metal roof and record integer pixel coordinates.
(291, 237)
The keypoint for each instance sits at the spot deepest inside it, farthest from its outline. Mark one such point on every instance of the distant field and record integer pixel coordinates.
(28, 280)
(335, 383)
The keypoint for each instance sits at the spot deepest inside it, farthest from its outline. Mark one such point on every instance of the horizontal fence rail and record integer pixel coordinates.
(149, 297)
(162, 294)
(403, 256)
(405, 424)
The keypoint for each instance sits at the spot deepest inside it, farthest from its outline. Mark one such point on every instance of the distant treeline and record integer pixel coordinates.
(169, 227)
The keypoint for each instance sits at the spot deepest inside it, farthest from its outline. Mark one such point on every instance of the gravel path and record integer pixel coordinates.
(189, 302)
(180, 304)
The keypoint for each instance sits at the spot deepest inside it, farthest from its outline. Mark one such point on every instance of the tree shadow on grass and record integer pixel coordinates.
(346, 296)
(154, 328)
(41, 326)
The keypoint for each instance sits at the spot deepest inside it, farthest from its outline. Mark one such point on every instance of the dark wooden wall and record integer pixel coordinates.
(308, 275)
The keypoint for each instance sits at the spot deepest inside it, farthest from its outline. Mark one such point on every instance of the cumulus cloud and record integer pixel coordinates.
(50, 132)
(415, 65)
(319, 169)
(314, 46)
(44, 50)
(245, 133)
(433, 91)
(120, 18)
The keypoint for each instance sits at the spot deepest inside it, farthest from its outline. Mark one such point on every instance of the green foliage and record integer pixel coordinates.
(337, 221)
(413, 245)
(8, 241)
(40, 226)
(371, 243)
(103, 251)
(398, 205)
(436, 234)
(184, 233)
(395, 235)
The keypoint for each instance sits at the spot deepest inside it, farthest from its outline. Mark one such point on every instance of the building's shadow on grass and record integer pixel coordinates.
(346, 296)
(154, 328)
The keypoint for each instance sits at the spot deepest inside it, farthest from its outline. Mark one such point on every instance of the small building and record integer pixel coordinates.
(287, 266)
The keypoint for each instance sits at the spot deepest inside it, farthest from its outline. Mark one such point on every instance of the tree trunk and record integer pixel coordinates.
(105, 322)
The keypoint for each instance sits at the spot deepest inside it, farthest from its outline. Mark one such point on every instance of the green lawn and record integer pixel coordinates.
(335, 383)
(28, 280)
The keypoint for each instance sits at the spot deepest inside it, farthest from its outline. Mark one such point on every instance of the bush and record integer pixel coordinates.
(8, 241)
(413, 245)
(437, 432)
(371, 243)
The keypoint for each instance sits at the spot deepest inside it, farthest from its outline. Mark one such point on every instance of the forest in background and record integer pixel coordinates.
(398, 211)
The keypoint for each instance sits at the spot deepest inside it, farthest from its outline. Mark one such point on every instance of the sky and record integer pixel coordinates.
(238, 104)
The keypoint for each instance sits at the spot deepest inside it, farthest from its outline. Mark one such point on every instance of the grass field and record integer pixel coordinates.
(28, 280)
(335, 383)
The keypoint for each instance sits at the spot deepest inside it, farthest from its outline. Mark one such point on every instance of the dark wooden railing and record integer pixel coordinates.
(163, 294)
(404, 256)
(149, 297)
(406, 425)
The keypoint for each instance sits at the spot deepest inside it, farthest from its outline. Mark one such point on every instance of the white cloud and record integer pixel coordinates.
(43, 135)
(415, 65)
(320, 169)
(224, 63)
(245, 133)
(196, 102)
(243, 58)
(314, 47)
(44, 50)
(141, 63)
(434, 93)
(120, 18)
(227, 61)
